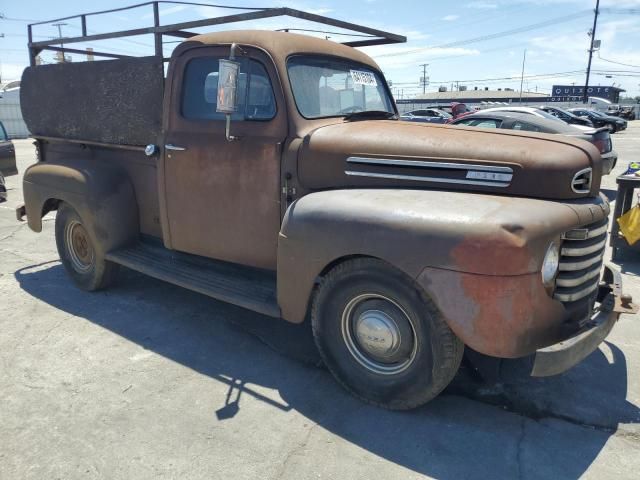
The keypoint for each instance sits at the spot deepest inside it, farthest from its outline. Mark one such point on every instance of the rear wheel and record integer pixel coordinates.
(381, 337)
(77, 249)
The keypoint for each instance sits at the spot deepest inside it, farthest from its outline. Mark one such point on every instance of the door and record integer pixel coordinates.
(7, 154)
(222, 199)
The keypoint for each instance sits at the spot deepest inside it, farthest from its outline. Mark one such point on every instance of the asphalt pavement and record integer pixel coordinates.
(148, 380)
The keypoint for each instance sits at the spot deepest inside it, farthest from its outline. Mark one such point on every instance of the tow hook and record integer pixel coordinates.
(624, 304)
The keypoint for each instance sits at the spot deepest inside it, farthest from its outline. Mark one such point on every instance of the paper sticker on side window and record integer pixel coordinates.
(363, 78)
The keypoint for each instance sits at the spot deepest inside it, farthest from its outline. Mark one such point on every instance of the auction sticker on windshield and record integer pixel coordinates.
(363, 78)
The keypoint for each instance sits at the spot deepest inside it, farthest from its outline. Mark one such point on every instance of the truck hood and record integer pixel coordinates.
(387, 153)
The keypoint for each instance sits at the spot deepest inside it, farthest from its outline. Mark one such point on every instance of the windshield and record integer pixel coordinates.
(565, 112)
(331, 87)
(548, 116)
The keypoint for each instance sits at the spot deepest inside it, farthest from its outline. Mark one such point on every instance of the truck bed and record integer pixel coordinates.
(110, 101)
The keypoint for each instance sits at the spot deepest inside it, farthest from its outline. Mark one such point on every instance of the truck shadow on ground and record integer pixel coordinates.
(544, 428)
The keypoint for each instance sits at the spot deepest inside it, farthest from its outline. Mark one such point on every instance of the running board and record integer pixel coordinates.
(246, 287)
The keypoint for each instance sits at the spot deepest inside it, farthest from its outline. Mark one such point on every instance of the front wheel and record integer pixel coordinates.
(78, 251)
(381, 337)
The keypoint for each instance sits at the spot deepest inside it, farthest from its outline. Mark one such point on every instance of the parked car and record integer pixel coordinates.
(530, 123)
(7, 161)
(566, 116)
(454, 110)
(600, 119)
(536, 112)
(427, 115)
(628, 113)
(3, 189)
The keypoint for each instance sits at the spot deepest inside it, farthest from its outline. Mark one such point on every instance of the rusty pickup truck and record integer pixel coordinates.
(270, 170)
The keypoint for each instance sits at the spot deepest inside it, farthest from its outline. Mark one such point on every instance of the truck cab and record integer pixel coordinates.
(401, 243)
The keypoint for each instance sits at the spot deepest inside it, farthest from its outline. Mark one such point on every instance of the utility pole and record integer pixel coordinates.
(585, 96)
(61, 58)
(424, 77)
(524, 58)
(1, 36)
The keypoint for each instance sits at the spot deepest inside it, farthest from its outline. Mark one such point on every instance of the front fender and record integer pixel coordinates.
(413, 230)
(102, 195)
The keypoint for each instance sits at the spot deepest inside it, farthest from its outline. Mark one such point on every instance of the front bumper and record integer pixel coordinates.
(563, 355)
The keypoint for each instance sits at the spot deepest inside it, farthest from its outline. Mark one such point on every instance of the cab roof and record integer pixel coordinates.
(281, 45)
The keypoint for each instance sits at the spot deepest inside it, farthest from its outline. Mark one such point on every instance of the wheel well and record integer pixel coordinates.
(49, 205)
(337, 262)
(330, 266)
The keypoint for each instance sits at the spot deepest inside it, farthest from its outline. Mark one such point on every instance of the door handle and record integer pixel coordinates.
(174, 147)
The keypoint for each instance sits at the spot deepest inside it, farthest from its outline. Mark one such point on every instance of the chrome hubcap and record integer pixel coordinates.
(379, 334)
(79, 246)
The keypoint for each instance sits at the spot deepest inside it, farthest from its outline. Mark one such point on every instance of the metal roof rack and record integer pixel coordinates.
(370, 36)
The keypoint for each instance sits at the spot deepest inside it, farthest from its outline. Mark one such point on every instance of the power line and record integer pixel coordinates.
(617, 63)
(482, 38)
(24, 20)
(540, 75)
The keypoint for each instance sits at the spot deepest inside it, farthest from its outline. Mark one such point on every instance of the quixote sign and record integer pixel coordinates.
(568, 93)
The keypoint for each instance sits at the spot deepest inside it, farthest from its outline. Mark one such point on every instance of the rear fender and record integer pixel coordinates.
(102, 195)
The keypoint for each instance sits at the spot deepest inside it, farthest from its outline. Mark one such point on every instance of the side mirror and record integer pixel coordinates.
(228, 80)
(228, 76)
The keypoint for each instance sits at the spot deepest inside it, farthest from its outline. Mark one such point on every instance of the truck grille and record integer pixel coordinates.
(581, 255)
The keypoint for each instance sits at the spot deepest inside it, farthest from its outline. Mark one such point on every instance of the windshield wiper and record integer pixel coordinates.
(370, 114)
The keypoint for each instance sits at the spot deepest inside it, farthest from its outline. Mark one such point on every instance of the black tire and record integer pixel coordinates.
(79, 252)
(409, 375)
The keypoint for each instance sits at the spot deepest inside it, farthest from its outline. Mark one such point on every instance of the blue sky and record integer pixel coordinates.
(446, 35)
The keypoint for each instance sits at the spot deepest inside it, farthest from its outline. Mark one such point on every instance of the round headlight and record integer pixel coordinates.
(550, 264)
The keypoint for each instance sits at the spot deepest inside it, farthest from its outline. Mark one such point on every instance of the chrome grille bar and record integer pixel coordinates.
(577, 251)
(581, 256)
(570, 266)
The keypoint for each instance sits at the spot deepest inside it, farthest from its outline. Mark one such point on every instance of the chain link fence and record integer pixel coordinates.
(10, 114)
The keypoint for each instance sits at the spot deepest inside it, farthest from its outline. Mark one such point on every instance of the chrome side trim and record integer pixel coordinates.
(426, 179)
(428, 164)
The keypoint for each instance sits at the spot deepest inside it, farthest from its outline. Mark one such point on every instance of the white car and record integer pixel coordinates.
(536, 112)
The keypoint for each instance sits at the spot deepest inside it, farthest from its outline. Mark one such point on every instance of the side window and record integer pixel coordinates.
(200, 88)
(517, 125)
(3, 134)
(486, 123)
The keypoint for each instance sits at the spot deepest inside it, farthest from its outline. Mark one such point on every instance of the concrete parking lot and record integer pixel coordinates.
(147, 380)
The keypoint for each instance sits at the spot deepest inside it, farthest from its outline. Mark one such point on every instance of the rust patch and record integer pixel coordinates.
(502, 316)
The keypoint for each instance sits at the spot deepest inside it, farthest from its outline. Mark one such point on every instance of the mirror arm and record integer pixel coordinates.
(227, 130)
